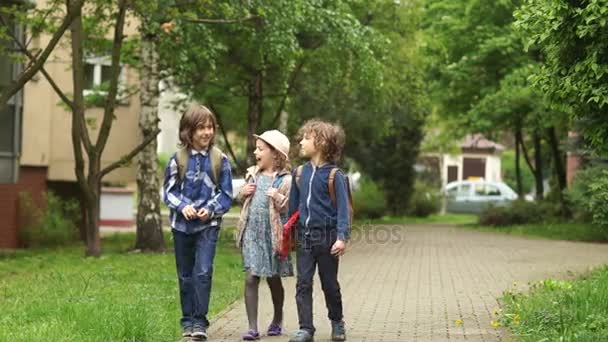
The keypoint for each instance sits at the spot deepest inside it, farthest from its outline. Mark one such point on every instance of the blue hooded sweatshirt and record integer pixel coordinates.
(311, 197)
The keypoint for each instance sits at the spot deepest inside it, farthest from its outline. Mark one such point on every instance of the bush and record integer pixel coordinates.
(597, 201)
(52, 225)
(424, 201)
(369, 201)
(580, 193)
(518, 212)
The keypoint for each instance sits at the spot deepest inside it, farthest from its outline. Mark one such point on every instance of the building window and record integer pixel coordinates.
(10, 115)
(97, 74)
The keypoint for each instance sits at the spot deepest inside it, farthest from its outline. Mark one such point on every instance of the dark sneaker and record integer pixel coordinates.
(274, 330)
(338, 332)
(199, 334)
(251, 335)
(301, 336)
(187, 332)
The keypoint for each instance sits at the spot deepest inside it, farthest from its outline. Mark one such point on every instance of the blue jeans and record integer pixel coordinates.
(194, 254)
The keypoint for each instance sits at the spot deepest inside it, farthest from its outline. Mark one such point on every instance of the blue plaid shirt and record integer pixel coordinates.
(197, 189)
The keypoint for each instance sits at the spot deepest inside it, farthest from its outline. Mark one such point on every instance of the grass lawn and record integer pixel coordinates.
(460, 219)
(560, 310)
(57, 295)
(555, 231)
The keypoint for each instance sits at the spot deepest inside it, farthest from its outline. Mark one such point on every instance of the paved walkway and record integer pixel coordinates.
(412, 283)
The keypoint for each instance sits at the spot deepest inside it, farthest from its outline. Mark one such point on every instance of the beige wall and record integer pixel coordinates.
(47, 125)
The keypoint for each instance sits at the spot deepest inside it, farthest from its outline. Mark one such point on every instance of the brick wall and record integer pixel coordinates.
(32, 180)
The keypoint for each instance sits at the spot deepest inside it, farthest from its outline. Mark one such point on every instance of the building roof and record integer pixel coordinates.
(477, 142)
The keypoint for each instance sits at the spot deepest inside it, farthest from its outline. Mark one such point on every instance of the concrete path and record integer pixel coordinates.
(418, 282)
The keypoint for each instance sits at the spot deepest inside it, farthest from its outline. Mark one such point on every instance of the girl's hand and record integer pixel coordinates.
(189, 212)
(271, 192)
(248, 189)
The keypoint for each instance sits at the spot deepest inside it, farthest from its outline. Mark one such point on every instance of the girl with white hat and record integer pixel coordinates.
(260, 228)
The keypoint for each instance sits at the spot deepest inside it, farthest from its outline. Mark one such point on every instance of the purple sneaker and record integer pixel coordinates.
(274, 330)
(251, 335)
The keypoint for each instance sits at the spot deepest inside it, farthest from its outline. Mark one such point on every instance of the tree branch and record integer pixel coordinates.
(224, 134)
(124, 160)
(290, 84)
(526, 157)
(33, 60)
(73, 11)
(110, 105)
(221, 21)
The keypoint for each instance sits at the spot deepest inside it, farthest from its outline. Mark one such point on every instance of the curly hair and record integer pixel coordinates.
(328, 138)
(197, 115)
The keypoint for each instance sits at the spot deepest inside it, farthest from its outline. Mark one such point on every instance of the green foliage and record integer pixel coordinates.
(557, 310)
(369, 200)
(580, 192)
(572, 37)
(508, 169)
(597, 200)
(376, 114)
(521, 212)
(425, 200)
(55, 224)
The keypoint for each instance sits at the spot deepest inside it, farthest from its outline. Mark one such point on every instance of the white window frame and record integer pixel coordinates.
(98, 63)
(16, 100)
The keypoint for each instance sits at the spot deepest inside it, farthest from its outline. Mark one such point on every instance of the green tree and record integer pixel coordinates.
(250, 65)
(572, 36)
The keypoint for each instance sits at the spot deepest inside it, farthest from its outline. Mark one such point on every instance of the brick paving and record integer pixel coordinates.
(413, 283)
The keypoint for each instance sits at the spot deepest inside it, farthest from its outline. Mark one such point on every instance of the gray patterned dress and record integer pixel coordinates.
(259, 257)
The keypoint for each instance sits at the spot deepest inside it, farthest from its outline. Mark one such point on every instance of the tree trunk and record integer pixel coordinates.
(254, 113)
(149, 235)
(558, 159)
(283, 122)
(538, 161)
(93, 240)
(518, 138)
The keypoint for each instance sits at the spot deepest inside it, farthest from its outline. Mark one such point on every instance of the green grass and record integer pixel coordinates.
(460, 219)
(57, 295)
(556, 310)
(554, 231)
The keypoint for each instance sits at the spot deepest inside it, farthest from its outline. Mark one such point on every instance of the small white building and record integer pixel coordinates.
(479, 158)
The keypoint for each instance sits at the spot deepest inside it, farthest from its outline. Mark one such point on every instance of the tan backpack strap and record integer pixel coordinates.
(182, 157)
(299, 175)
(332, 189)
(216, 164)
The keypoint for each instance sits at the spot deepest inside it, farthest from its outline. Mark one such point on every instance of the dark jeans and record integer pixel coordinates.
(194, 255)
(314, 248)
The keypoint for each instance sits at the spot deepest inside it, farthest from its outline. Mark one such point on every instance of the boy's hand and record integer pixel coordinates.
(271, 192)
(338, 248)
(189, 212)
(248, 189)
(203, 214)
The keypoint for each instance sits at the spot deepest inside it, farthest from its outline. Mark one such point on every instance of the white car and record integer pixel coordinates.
(474, 196)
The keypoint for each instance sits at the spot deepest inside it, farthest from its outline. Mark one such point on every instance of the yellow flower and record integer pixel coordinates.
(514, 284)
(495, 324)
(459, 322)
(516, 319)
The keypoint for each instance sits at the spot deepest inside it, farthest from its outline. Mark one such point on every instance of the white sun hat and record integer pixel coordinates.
(277, 140)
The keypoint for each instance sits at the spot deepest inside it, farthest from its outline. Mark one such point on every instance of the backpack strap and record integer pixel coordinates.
(332, 189)
(215, 155)
(277, 182)
(182, 156)
(299, 175)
